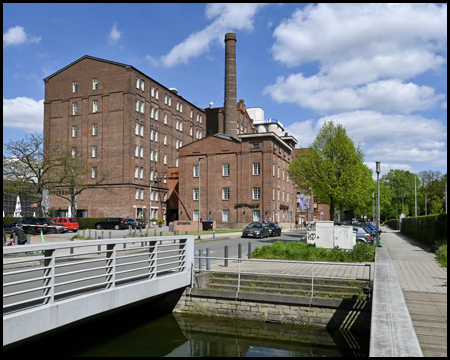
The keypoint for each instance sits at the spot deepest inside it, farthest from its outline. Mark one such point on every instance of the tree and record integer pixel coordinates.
(332, 166)
(72, 176)
(401, 183)
(29, 161)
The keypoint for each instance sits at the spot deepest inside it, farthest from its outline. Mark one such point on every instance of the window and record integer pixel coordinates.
(165, 159)
(151, 175)
(225, 193)
(152, 112)
(74, 152)
(136, 172)
(94, 84)
(142, 152)
(156, 156)
(181, 125)
(94, 129)
(273, 169)
(157, 94)
(75, 108)
(165, 99)
(165, 118)
(142, 107)
(283, 174)
(196, 170)
(278, 172)
(165, 139)
(195, 217)
(151, 155)
(141, 173)
(136, 128)
(151, 135)
(226, 170)
(176, 144)
(170, 100)
(142, 130)
(94, 151)
(245, 129)
(225, 215)
(176, 162)
(181, 107)
(152, 195)
(137, 104)
(156, 196)
(242, 127)
(256, 193)
(156, 136)
(142, 194)
(74, 86)
(195, 194)
(273, 194)
(278, 194)
(181, 143)
(156, 114)
(74, 131)
(95, 106)
(136, 194)
(200, 119)
(283, 195)
(256, 216)
(190, 130)
(142, 85)
(176, 125)
(192, 114)
(152, 90)
(136, 150)
(137, 82)
(256, 168)
(178, 105)
(94, 172)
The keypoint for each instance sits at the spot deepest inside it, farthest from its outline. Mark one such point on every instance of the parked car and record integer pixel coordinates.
(135, 223)
(30, 225)
(112, 223)
(363, 235)
(70, 222)
(256, 230)
(274, 229)
(54, 228)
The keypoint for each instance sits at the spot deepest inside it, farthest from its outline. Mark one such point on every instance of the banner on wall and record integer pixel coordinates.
(308, 202)
(301, 199)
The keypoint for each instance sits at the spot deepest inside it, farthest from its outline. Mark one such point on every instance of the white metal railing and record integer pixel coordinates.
(311, 276)
(36, 275)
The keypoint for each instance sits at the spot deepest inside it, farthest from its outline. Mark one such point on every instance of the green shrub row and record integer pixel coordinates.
(393, 224)
(441, 255)
(301, 251)
(430, 229)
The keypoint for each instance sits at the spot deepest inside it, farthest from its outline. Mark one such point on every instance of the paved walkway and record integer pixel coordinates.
(424, 285)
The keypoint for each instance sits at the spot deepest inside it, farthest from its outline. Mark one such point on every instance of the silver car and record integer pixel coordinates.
(363, 235)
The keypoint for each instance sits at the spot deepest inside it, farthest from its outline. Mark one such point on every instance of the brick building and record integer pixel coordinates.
(119, 119)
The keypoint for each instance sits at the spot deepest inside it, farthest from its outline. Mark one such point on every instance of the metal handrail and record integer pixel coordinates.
(47, 272)
(280, 274)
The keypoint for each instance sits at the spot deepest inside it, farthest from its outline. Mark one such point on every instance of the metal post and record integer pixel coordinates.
(214, 234)
(208, 260)
(140, 231)
(155, 232)
(146, 233)
(226, 257)
(129, 229)
(103, 234)
(200, 260)
(134, 233)
(178, 232)
(378, 169)
(110, 234)
(249, 250)
(89, 233)
(71, 249)
(312, 281)
(95, 235)
(373, 206)
(160, 233)
(239, 251)
(84, 235)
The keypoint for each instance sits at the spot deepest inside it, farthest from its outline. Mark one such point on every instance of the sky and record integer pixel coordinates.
(380, 70)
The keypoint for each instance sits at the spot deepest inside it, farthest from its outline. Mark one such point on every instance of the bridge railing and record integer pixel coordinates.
(35, 275)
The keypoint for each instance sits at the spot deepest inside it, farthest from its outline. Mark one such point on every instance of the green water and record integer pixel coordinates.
(137, 332)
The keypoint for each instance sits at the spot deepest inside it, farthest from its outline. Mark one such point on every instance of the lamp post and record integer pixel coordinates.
(199, 174)
(426, 212)
(378, 169)
(415, 196)
(373, 206)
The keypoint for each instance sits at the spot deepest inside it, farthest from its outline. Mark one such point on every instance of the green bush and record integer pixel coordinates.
(441, 255)
(301, 251)
(430, 229)
(88, 223)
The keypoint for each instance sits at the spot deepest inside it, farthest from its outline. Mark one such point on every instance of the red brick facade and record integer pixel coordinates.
(120, 127)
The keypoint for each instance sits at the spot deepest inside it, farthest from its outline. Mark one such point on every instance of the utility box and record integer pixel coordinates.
(344, 237)
(324, 234)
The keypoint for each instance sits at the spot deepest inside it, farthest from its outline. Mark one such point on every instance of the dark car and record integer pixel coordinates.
(274, 229)
(112, 223)
(54, 228)
(135, 223)
(30, 225)
(363, 235)
(256, 230)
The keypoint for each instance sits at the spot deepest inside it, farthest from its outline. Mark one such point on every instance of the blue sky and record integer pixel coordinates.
(380, 70)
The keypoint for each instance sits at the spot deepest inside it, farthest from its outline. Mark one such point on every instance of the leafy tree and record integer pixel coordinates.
(401, 183)
(331, 166)
(435, 206)
(27, 163)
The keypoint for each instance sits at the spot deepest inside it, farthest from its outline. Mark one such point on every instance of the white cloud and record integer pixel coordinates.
(227, 18)
(400, 140)
(366, 52)
(24, 114)
(114, 35)
(16, 35)
(444, 105)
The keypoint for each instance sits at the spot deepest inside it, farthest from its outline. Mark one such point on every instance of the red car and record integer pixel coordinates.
(70, 222)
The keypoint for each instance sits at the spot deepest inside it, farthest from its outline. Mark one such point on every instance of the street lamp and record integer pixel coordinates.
(378, 170)
(373, 206)
(199, 174)
(426, 213)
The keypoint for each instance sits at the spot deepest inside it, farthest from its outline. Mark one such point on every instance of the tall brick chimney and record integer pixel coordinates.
(230, 85)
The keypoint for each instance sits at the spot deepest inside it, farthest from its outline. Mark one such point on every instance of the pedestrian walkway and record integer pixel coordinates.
(424, 285)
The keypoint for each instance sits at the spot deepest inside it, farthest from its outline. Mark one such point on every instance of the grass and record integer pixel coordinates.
(301, 251)
(441, 255)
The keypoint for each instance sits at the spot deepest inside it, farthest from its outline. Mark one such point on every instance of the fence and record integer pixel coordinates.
(45, 274)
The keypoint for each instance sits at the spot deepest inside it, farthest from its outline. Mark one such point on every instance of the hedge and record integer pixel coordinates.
(393, 224)
(430, 229)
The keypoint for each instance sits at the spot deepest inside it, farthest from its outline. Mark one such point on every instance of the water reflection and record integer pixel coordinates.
(137, 332)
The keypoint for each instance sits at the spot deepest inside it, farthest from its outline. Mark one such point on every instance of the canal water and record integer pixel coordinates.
(138, 332)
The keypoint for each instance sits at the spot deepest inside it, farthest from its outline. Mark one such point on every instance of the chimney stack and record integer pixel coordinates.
(230, 85)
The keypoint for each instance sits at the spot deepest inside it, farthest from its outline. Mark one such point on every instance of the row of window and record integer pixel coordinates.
(94, 107)
(273, 173)
(94, 85)
(226, 170)
(154, 195)
(242, 128)
(94, 151)
(256, 215)
(256, 193)
(75, 130)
